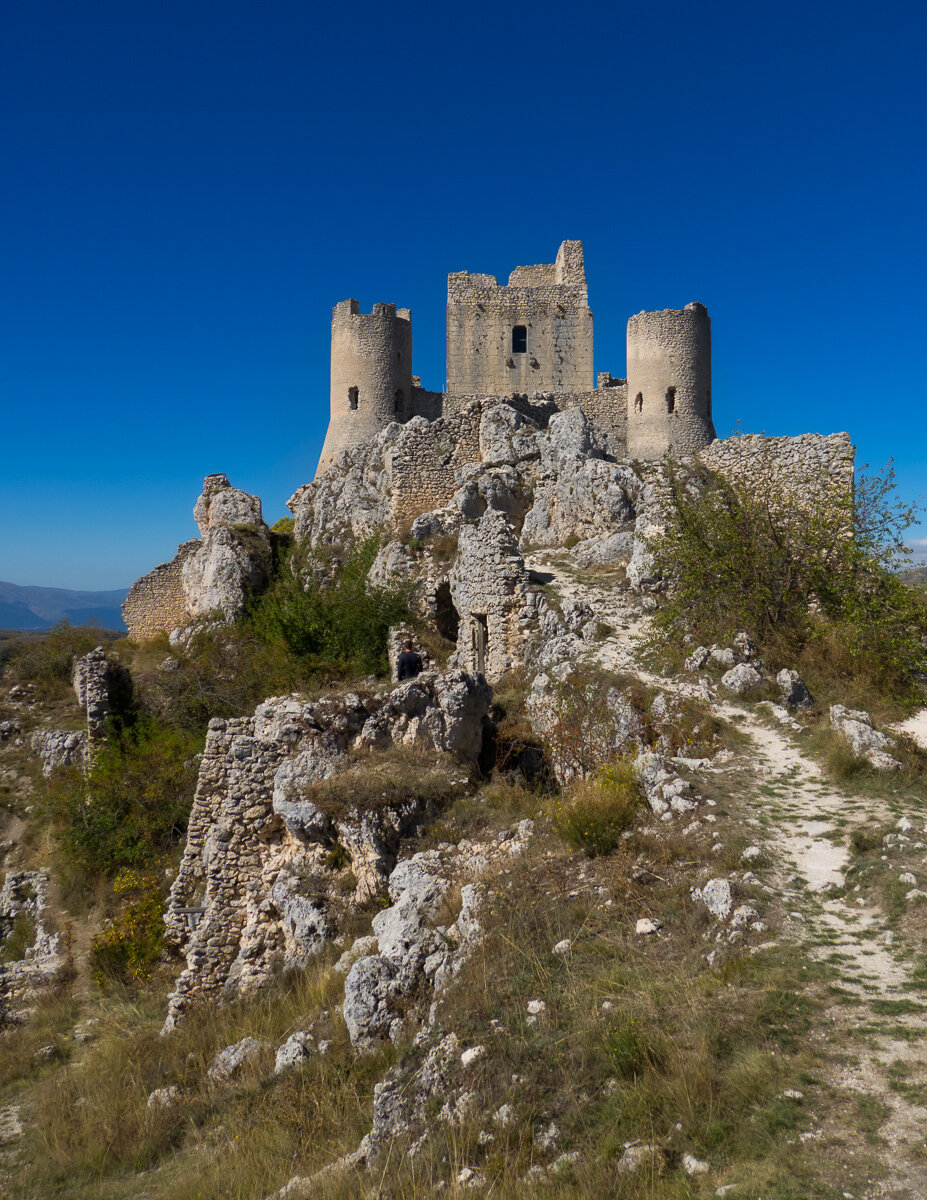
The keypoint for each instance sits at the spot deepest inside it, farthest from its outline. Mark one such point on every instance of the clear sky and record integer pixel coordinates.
(189, 187)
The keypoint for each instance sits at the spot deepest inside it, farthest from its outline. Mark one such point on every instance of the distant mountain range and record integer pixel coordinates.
(33, 609)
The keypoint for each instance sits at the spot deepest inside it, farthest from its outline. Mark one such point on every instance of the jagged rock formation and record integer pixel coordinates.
(209, 579)
(234, 559)
(267, 858)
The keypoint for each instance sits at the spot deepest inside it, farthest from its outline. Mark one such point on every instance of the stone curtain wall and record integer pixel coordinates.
(812, 465)
(156, 602)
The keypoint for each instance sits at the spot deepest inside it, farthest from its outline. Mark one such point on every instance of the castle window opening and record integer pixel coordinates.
(670, 399)
(520, 339)
(639, 402)
(352, 398)
(398, 401)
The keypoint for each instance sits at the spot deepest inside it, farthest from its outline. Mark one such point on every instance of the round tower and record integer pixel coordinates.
(371, 375)
(669, 382)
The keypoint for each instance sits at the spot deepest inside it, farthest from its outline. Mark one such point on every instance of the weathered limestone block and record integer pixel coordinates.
(434, 712)
(793, 690)
(221, 504)
(233, 562)
(741, 679)
(855, 727)
(506, 436)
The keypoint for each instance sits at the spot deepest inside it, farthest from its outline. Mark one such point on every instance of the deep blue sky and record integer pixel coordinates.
(189, 187)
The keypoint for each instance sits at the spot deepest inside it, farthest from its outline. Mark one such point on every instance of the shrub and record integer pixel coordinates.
(19, 939)
(808, 566)
(333, 620)
(131, 943)
(593, 815)
(47, 661)
(131, 806)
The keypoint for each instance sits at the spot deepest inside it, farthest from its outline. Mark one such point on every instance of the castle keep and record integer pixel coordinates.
(532, 335)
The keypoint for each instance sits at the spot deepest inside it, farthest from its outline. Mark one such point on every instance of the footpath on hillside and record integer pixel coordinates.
(874, 1032)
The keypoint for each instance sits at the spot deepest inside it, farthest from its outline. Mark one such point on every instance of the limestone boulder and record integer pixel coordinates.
(222, 505)
(371, 996)
(855, 727)
(506, 436)
(741, 679)
(578, 494)
(231, 1061)
(434, 711)
(793, 690)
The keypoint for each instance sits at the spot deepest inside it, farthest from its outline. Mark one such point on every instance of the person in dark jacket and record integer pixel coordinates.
(410, 664)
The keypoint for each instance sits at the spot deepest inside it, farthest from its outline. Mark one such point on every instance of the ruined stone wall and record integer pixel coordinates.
(429, 405)
(421, 468)
(157, 603)
(811, 465)
(550, 302)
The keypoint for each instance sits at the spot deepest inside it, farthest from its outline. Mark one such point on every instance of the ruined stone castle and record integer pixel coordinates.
(520, 452)
(512, 341)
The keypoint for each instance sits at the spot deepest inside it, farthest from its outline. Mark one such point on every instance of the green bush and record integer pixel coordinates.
(47, 662)
(130, 807)
(19, 939)
(130, 943)
(594, 814)
(806, 568)
(336, 622)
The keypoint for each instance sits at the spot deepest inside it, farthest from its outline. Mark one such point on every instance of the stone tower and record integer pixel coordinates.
(532, 334)
(669, 382)
(371, 381)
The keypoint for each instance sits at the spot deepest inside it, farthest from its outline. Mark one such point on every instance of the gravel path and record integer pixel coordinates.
(808, 825)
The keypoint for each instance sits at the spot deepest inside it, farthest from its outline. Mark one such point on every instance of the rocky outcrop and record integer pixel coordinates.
(281, 838)
(233, 562)
(578, 494)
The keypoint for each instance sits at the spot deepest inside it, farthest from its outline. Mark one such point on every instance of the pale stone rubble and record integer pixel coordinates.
(855, 727)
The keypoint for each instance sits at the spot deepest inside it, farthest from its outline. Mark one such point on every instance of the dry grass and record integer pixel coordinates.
(382, 778)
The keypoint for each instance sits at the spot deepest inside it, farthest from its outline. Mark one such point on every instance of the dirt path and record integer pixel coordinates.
(876, 1033)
